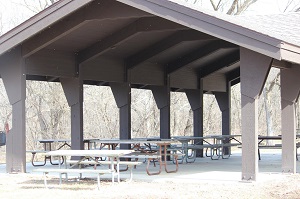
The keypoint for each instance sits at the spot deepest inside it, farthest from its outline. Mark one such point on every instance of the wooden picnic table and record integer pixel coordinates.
(160, 154)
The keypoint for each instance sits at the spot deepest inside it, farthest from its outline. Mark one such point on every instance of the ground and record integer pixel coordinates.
(31, 186)
(205, 178)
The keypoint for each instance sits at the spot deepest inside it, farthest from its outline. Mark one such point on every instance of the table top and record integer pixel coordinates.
(270, 137)
(54, 140)
(204, 137)
(273, 137)
(92, 153)
(136, 141)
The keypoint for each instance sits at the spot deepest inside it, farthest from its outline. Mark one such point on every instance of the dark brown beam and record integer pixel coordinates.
(52, 79)
(60, 29)
(198, 54)
(234, 74)
(219, 64)
(281, 64)
(141, 25)
(51, 63)
(235, 81)
(165, 44)
(36, 77)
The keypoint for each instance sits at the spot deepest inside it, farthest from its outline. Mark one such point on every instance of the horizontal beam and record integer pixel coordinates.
(236, 81)
(52, 63)
(281, 64)
(141, 25)
(165, 44)
(232, 75)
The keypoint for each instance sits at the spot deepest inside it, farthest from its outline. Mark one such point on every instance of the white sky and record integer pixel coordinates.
(13, 12)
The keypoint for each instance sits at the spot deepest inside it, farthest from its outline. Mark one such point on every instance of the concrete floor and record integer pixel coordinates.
(204, 169)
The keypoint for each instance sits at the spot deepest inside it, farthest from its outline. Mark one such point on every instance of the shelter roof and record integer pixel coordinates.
(161, 38)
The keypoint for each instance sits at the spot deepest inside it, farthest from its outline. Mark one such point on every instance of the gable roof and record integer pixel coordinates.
(240, 30)
(280, 26)
(274, 36)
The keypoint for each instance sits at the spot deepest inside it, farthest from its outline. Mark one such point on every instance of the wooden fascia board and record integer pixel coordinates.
(290, 53)
(210, 25)
(38, 23)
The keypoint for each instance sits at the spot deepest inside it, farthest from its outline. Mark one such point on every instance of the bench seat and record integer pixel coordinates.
(45, 171)
(129, 164)
(42, 153)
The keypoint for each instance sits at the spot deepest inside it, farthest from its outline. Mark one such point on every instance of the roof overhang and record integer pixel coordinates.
(219, 28)
(39, 22)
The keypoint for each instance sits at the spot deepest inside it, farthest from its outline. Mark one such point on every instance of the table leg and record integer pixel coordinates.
(165, 159)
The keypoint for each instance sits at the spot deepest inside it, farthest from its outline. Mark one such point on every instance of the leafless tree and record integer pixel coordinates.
(292, 5)
(37, 6)
(230, 7)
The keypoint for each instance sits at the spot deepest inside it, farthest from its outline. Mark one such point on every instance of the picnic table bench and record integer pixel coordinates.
(129, 164)
(61, 171)
(46, 157)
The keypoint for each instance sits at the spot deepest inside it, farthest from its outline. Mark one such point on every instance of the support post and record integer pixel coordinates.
(223, 99)
(290, 88)
(195, 98)
(122, 95)
(73, 89)
(12, 70)
(162, 98)
(254, 70)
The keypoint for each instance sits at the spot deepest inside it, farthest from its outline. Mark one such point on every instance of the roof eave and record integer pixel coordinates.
(290, 53)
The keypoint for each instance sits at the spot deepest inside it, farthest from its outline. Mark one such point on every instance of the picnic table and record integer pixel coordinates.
(144, 148)
(48, 146)
(114, 155)
(263, 139)
(216, 144)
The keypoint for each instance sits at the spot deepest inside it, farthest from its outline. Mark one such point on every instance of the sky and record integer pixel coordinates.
(13, 12)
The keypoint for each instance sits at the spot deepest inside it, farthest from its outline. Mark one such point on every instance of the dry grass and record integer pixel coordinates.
(31, 186)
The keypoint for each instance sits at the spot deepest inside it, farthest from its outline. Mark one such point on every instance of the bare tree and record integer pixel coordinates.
(292, 5)
(230, 7)
(38, 6)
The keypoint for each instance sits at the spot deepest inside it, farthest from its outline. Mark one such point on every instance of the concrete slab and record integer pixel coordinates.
(202, 170)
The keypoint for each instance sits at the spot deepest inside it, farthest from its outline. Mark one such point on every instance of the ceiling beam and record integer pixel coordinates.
(225, 61)
(148, 24)
(236, 81)
(233, 75)
(165, 44)
(201, 52)
(281, 64)
(93, 11)
(52, 79)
